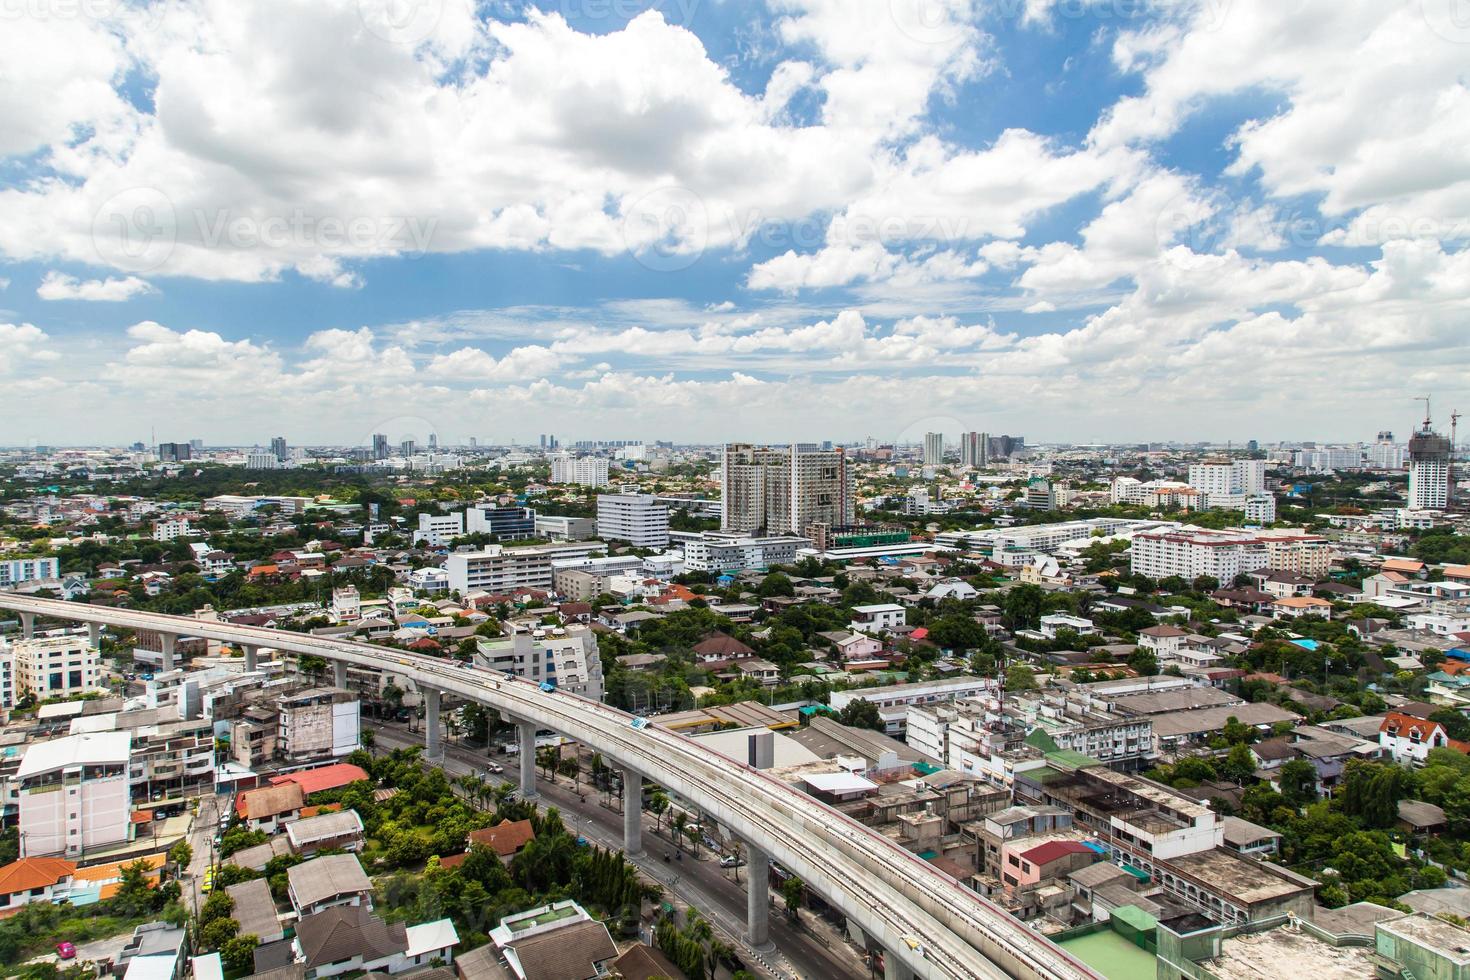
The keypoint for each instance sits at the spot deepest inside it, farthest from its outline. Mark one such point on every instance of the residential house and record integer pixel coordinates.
(341, 830)
(1408, 740)
(268, 808)
(506, 838)
(328, 881)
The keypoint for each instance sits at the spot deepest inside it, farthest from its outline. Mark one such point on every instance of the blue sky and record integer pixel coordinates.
(708, 220)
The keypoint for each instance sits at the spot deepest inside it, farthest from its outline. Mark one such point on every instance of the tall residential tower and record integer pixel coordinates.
(783, 490)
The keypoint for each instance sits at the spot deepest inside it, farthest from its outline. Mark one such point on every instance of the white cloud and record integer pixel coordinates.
(472, 363)
(60, 286)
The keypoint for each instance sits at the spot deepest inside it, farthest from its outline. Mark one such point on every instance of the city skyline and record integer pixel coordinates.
(1085, 222)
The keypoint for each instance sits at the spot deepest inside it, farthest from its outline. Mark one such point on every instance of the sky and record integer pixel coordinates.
(709, 220)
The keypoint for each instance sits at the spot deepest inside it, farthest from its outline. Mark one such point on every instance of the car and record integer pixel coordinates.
(548, 687)
(66, 951)
(146, 677)
(583, 842)
(639, 723)
(494, 767)
(732, 861)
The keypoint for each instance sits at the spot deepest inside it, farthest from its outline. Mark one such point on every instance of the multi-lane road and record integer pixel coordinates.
(928, 922)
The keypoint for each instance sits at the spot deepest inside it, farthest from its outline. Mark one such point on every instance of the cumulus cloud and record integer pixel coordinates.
(60, 286)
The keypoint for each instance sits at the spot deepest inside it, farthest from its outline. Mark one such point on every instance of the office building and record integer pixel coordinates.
(1429, 470)
(555, 527)
(933, 448)
(174, 452)
(74, 795)
(566, 657)
(261, 460)
(437, 530)
(500, 570)
(502, 523)
(731, 553)
(279, 449)
(52, 666)
(14, 571)
(783, 490)
(587, 471)
(407, 448)
(633, 517)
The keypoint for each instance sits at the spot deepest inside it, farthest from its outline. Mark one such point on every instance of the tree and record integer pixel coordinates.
(775, 584)
(1022, 605)
(135, 895)
(239, 953)
(218, 932)
(181, 854)
(1144, 662)
(861, 713)
(658, 805)
(792, 890)
(680, 820)
(368, 738)
(1299, 782)
(1019, 677)
(1240, 764)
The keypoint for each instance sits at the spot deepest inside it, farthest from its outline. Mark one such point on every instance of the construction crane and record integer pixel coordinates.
(1425, 400)
(1454, 448)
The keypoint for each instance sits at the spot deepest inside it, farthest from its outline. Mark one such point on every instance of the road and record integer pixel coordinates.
(930, 924)
(798, 952)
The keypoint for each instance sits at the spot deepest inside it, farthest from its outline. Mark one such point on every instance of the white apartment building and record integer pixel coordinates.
(1046, 538)
(894, 701)
(587, 471)
(716, 552)
(498, 569)
(784, 490)
(1304, 554)
(437, 530)
(1226, 478)
(1260, 509)
(52, 667)
(566, 657)
(933, 448)
(14, 571)
(346, 604)
(878, 618)
(633, 517)
(74, 795)
(1190, 552)
(261, 461)
(172, 529)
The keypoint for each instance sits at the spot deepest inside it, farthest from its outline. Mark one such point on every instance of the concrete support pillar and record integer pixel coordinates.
(433, 743)
(528, 759)
(167, 641)
(757, 896)
(632, 812)
(27, 625)
(894, 968)
(252, 656)
(94, 635)
(339, 674)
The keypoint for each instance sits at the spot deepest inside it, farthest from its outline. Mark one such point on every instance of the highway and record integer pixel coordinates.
(700, 883)
(929, 923)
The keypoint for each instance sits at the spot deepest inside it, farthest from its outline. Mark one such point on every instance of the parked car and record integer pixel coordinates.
(732, 861)
(66, 951)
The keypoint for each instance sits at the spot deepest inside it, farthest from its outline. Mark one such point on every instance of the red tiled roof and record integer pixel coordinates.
(34, 872)
(1052, 850)
(323, 778)
(1405, 725)
(506, 837)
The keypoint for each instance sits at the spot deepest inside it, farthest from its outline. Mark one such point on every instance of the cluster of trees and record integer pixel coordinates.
(219, 931)
(694, 949)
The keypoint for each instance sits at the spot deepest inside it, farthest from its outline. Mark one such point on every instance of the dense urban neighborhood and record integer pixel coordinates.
(1130, 696)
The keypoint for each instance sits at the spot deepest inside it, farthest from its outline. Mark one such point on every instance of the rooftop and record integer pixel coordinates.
(95, 749)
(1283, 952)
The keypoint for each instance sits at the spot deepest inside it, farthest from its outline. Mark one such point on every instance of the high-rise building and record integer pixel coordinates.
(474, 443)
(174, 452)
(1429, 470)
(196, 447)
(783, 490)
(380, 446)
(433, 441)
(633, 517)
(1003, 447)
(407, 447)
(933, 448)
(972, 449)
(588, 471)
(279, 449)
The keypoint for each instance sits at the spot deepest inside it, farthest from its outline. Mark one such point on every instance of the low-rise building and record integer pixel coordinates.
(340, 830)
(566, 657)
(75, 795)
(326, 882)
